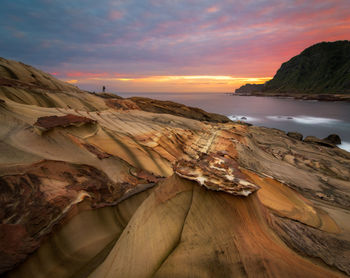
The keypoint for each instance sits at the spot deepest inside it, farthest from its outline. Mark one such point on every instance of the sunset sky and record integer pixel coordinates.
(166, 45)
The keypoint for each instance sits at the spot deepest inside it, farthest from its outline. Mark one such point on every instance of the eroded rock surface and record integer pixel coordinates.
(216, 172)
(315, 140)
(114, 184)
(50, 122)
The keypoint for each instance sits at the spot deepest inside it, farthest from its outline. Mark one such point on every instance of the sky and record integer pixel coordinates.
(166, 45)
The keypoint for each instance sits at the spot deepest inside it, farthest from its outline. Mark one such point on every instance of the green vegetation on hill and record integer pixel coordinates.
(321, 68)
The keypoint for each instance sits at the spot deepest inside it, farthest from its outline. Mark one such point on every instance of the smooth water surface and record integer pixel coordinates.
(307, 117)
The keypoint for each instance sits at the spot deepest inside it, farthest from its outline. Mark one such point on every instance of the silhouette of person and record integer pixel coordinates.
(103, 89)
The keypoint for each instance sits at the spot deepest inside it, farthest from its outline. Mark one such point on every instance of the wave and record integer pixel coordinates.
(244, 118)
(304, 119)
(345, 146)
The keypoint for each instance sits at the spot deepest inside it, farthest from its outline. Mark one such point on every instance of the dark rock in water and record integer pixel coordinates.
(295, 135)
(333, 139)
(317, 141)
(243, 118)
(289, 118)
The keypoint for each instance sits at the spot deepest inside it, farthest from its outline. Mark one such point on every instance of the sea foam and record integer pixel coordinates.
(245, 118)
(345, 146)
(308, 120)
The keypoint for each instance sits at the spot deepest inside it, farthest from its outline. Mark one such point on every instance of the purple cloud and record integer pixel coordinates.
(163, 37)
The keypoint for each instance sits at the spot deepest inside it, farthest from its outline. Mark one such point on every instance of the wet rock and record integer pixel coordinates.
(243, 118)
(333, 139)
(295, 135)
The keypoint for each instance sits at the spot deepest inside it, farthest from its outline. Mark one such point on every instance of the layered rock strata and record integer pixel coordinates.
(116, 191)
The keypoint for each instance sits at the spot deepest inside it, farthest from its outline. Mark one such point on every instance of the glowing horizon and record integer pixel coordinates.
(147, 45)
(173, 83)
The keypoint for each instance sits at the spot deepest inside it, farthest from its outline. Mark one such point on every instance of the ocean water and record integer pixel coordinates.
(307, 117)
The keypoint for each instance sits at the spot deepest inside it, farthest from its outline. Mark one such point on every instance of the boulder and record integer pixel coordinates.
(318, 141)
(333, 139)
(295, 135)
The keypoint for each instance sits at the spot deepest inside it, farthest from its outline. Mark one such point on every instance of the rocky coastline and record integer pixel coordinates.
(300, 96)
(100, 186)
(320, 72)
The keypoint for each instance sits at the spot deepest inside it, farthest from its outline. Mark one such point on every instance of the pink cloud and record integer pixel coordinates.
(82, 75)
(115, 15)
(213, 9)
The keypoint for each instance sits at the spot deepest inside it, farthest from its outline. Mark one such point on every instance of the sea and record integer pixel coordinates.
(309, 117)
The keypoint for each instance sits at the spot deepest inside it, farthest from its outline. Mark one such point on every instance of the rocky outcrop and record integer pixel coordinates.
(48, 190)
(333, 139)
(50, 122)
(173, 108)
(216, 171)
(19, 75)
(315, 140)
(123, 192)
(295, 135)
(122, 104)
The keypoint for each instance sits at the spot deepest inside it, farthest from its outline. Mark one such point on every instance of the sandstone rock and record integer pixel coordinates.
(317, 141)
(133, 193)
(217, 172)
(47, 123)
(333, 139)
(123, 104)
(173, 108)
(295, 135)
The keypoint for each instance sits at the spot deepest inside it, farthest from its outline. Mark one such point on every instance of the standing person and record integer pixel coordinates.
(103, 88)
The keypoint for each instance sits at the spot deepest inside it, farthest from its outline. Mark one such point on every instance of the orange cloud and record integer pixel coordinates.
(174, 83)
(72, 81)
(213, 9)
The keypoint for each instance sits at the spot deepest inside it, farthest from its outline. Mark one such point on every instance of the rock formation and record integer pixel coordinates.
(111, 189)
(333, 139)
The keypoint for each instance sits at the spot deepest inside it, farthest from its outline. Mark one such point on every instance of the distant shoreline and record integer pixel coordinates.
(318, 97)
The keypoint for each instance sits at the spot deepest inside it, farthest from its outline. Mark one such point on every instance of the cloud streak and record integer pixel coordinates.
(166, 38)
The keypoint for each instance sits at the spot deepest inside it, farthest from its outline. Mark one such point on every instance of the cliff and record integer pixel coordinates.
(112, 189)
